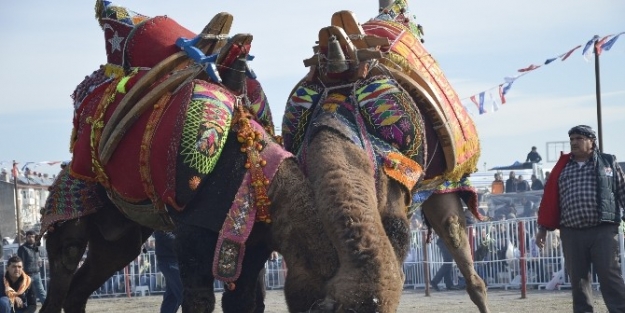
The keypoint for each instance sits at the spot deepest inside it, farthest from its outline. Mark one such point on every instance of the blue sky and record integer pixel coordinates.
(49, 47)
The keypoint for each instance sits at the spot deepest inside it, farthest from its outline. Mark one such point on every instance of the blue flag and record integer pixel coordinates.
(608, 44)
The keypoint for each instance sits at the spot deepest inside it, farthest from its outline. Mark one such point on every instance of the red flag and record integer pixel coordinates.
(600, 43)
(502, 95)
(529, 68)
(568, 54)
(474, 100)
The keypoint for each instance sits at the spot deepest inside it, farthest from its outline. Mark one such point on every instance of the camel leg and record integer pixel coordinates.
(65, 245)
(195, 247)
(369, 278)
(104, 258)
(393, 208)
(297, 233)
(245, 296)
(445, 214)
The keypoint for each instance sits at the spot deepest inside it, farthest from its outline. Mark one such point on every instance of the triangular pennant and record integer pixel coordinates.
(493, 101)
(502, 95)
(568, 54)
(550, 60)
(589, 44)
(608, 44)
(600, 42)
(529, 68)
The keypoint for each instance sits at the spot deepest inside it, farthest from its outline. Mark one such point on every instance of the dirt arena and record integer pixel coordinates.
(413, 301)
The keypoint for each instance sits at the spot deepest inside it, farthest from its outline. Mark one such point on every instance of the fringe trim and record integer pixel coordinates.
(99, 10)
(461, 170)
(113, 70)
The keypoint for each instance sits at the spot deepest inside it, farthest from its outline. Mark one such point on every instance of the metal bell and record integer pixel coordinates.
(336, 59)
(234, 76)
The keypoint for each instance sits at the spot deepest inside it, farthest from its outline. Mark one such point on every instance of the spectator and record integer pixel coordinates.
(533, 156)
(522, 185)
(547, 173)
(15, 293)
(511, 183)
(503, 213)
(168, 265)
(497, 186)
(536, 183)
(528, 207)
(445, 271)
(583, 201)
(29, 253)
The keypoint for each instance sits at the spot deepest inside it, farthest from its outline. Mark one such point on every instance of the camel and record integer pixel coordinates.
(375, 126)
(175, 137)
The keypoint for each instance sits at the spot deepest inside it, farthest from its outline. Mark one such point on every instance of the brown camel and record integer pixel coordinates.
(374, 123)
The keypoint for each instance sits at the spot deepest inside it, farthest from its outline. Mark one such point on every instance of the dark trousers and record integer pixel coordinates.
(597, 246)
(172, 298)
(444, 273)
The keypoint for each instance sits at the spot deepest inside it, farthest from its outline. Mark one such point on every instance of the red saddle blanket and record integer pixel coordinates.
(168, 150)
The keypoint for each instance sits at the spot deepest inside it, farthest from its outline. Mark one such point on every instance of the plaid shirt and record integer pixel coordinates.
(578, 193)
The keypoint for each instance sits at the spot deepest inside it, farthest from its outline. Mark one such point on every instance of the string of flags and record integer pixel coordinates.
(485, 98)
(26, 166)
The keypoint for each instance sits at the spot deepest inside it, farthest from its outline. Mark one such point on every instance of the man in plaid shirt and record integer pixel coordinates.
(584, 199)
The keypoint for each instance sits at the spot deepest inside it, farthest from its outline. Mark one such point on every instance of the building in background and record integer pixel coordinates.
(32, 192)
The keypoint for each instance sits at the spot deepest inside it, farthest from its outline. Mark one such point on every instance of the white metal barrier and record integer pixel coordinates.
(504, 253)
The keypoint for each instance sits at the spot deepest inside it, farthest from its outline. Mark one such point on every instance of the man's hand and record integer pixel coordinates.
(18, 302)
(541, 235)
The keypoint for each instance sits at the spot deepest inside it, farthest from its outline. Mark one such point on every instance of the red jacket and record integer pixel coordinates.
(549, 209)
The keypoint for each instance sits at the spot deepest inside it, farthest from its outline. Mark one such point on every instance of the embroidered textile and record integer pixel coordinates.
(241, 217)
(376, 115)
(69, 198)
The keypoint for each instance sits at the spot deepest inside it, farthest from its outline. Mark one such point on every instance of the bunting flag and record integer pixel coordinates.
(601, 43)
(37, 164)
(492, 100)
(568, 54)
(502, 95)
(529, 68)
(479, 104)
(15, 171)
(550, 60)
(589, 44)
(608, 44)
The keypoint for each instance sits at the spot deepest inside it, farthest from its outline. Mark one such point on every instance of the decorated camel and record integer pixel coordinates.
(375, 124)
(174, 132)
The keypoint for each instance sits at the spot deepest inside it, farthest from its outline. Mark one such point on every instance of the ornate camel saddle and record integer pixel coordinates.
(150, 125)
(377, 85)
(388, 45)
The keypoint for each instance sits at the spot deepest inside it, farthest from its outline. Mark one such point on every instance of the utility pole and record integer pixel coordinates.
(17, 205)
(598, 92)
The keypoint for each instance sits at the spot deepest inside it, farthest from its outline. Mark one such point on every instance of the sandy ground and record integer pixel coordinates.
(412, 301)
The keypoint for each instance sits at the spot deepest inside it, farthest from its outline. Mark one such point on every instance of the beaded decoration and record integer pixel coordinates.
(252, 144)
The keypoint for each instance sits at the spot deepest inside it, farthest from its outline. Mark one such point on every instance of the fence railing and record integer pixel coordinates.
(504, 253)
